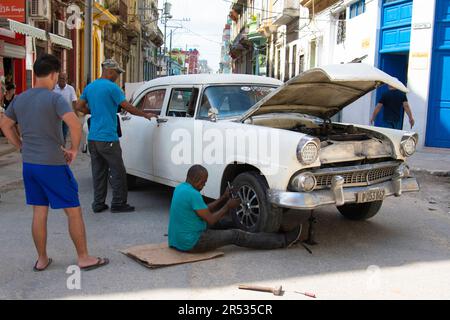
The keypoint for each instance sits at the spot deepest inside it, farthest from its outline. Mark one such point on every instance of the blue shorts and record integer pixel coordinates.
(50, 185)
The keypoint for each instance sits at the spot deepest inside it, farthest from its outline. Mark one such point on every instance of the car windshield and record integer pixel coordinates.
(231, 101)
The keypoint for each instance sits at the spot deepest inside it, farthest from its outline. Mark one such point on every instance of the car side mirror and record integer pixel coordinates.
(212, 114)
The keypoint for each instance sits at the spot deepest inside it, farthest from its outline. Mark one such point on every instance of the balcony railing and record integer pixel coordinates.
(118, 8)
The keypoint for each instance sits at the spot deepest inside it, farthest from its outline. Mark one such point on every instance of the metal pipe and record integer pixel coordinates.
(88, 41)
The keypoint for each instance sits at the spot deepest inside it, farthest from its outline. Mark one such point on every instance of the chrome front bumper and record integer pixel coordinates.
(337, 194)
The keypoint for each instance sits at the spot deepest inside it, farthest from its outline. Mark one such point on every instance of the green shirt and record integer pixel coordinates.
(185, 226)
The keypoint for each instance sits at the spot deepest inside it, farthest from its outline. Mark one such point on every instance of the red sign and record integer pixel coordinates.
(13, 9)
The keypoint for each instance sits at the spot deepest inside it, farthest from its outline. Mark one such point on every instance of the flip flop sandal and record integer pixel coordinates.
(36, 269)
(100, 263)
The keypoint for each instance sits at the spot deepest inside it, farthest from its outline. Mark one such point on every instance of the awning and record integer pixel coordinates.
(61, 41)
(11, 50)
(27, 30)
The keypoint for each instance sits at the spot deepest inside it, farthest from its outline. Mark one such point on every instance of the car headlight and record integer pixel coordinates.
(408, 145)
(308, 150)
(304, 182)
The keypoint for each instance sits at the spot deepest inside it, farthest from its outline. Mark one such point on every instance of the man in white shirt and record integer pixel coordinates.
(68, 92)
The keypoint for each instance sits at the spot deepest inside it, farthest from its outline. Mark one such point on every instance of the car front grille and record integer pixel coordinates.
(354, 176)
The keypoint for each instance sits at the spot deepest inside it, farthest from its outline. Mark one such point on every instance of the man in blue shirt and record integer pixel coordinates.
(101, 99)
(393, 103)
(190, 217)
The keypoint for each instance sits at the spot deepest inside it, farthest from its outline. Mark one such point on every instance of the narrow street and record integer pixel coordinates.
(402, 253)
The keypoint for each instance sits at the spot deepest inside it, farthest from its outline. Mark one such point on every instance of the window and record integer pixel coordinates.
(294, 60)
(231, 100)
(182, 102)
(301, 63)
(341, 28)
(312, 53)
(153, 102)
(357, 8)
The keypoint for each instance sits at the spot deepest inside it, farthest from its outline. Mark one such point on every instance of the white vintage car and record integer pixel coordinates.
(274, 142)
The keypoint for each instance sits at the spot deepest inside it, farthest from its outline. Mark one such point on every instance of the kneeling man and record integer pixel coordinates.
(191, 220)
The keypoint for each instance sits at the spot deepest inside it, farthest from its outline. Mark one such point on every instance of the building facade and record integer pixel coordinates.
(408, 39)
(225, 59)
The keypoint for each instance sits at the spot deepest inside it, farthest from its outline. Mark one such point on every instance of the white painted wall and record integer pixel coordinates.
(420, 56)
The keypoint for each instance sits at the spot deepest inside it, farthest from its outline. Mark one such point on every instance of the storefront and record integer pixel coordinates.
(12, 45)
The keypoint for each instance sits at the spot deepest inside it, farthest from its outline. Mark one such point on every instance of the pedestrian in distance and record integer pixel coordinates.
(196, 227)
(393, 103)
(68, 92)
(101, 99)
(47, 176)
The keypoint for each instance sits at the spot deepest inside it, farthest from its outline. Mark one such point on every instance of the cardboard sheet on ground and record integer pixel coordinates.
(160, 255)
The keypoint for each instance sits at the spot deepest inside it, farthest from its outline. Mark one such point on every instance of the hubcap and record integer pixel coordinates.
(248, 213)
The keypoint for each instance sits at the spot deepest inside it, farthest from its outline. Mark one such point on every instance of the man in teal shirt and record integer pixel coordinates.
(190, 217)
(102, 99)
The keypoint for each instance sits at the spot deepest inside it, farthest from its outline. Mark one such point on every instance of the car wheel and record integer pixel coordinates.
(360, 211)
(131, 181)
(255, 214)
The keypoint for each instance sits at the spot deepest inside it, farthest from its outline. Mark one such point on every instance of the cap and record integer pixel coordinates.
(112, 64)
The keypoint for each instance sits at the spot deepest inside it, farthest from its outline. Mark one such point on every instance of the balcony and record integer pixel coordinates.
(253, 26)
(154, 35)
(287, 9)
(319, 5)
(119, 8)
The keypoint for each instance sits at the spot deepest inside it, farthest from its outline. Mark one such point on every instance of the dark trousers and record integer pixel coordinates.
(65, 130)
(106, 160)
(212, 239)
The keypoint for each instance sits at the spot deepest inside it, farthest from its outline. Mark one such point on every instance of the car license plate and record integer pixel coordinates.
(370, 195)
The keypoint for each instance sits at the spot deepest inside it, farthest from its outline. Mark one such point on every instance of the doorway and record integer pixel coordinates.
(396, 65)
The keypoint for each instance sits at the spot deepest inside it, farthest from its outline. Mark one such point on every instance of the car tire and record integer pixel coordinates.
(265, 218)
(131, 181)
(360, 211)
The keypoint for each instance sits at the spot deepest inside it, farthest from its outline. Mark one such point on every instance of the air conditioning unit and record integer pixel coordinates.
(59, 28)
(40, 10)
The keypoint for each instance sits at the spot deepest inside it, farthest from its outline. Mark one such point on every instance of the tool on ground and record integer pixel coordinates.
(308, 294)
(277, 291)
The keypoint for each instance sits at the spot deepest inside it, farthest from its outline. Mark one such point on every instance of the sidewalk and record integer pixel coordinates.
(433, 161)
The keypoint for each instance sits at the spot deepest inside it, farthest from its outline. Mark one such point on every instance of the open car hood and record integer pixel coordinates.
(324, 91)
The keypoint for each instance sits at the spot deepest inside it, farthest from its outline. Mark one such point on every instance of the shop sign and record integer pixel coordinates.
(13, 9)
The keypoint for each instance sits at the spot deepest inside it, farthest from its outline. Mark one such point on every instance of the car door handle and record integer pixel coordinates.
(162, 120)
(126, 118)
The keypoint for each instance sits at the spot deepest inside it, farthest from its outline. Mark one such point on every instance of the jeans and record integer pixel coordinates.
(106, 160)
(212, 239)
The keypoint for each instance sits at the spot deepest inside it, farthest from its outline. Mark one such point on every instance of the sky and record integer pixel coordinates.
(203, 31)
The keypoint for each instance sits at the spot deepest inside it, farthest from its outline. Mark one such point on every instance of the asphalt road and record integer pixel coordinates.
(402, 253)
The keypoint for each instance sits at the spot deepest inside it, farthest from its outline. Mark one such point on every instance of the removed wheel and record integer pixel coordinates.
(360, 211)
(255, 214)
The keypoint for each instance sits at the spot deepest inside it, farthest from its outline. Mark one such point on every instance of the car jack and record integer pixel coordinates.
(311, 234)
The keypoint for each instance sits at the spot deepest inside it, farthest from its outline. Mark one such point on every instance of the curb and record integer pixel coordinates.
(436, 173)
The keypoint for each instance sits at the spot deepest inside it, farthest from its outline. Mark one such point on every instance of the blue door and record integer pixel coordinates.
(438, 122)
(395, 65)
(395, 35)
